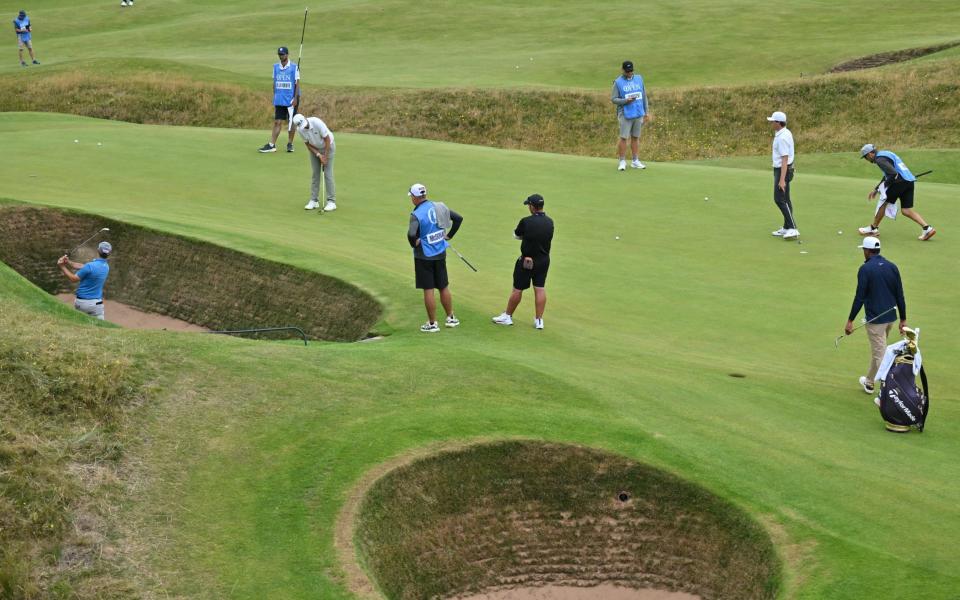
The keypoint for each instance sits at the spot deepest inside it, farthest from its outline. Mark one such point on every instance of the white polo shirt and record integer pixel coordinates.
(315, 134)
(782, 146)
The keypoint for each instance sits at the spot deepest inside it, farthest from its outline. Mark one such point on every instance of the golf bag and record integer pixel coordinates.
(904, 404)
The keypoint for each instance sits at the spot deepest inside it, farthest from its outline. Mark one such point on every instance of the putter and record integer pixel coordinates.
(463, 259)
(836, 342)
(794, 221)
(323, 186)
(72, 250)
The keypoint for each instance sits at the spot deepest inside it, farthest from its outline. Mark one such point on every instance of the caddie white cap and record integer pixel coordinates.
(299, 121)
(778, 116)
(870, 243)
(418, 190)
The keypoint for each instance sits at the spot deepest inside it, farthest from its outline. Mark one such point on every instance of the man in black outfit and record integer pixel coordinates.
(536, 234)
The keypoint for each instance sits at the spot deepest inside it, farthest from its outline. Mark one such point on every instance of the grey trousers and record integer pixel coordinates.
(327, 173)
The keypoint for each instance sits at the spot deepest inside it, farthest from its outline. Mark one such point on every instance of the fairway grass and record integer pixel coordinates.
(253, 448)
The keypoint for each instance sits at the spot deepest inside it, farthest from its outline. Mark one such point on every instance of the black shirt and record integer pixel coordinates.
(536, 233)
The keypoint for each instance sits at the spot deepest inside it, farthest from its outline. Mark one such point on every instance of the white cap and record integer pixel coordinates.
(778, 116)
(299, 121)
(418, 190)
(104, 248)
(870, 243)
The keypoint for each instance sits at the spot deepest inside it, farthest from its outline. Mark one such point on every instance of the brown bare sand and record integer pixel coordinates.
(599, 592)
(131, 318)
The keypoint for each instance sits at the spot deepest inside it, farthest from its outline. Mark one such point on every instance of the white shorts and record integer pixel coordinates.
(94, 308)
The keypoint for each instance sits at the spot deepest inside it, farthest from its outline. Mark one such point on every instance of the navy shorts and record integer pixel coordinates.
(903, 191)
(281, 113)
(538, 275)
(430, 274)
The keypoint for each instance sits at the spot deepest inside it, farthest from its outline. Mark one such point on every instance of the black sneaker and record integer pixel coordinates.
(267, 148)
(36, 62)
(23, 64)
(289, 147)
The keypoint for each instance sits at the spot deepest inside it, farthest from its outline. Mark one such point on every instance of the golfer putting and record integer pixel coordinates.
(91, 277)
(318, 139)
(431, 225)
(898, 184)
(535, 233)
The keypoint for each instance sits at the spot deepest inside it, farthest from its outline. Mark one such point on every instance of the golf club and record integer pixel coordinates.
(302, 33)
(323, 186)
(919, 175)
(836, 342)
(792, 220)
(72, 250)
(463, 259)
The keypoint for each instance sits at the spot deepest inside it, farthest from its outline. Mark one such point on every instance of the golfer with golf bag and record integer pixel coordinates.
(91, 278)
(432, 224)
(880, 293)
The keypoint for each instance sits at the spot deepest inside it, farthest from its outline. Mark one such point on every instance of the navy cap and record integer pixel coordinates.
(535, 200)
(627, 65)
(22, 14)
(282, 50)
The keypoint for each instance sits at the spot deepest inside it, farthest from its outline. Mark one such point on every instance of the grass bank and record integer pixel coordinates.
(916, 106)
(66, 391)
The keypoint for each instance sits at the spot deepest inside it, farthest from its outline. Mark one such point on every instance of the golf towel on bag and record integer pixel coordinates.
(902, 403)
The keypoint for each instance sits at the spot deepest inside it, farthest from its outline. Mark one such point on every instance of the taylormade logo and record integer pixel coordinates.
(896, 399)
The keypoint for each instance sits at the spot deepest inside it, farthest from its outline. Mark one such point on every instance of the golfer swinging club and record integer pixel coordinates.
(431, 225)
(91, 278)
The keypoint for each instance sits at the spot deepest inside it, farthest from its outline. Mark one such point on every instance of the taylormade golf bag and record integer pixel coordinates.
(903, 404)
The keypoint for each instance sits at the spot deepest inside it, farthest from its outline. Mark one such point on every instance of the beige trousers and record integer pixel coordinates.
(877, 334)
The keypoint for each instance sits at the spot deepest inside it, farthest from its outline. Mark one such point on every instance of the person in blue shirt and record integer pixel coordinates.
(898, 183)
(21, 25)
(880, 294)
(286, 99)
(431, 225)
(91, 278)
(630, 98)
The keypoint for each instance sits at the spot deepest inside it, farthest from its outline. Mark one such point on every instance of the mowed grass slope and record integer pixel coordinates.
(252, 457)
(505, 43)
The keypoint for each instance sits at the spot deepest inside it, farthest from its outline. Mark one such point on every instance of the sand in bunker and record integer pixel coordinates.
(131, 318)
(600, 592)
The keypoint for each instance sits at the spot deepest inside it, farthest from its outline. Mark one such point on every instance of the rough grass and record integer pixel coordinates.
(65, 391)
(529, 514)
(201, 283)
(920, 107)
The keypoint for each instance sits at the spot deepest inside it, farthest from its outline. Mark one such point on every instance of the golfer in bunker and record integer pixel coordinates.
(91, 278)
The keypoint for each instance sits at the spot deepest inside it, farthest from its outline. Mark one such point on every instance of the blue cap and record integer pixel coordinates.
(282, 50)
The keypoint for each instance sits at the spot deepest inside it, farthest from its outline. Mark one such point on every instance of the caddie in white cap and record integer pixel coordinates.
(783, 156)
(897, 184)
(880, 293)
(91, 278)
(321, 148)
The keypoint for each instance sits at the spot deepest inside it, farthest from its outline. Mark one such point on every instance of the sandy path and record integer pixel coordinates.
(600, 592)
(131, 318)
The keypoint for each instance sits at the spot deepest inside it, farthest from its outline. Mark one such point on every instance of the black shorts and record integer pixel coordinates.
(280, 113)
(523, 277)
(903, 191)
(430, 274)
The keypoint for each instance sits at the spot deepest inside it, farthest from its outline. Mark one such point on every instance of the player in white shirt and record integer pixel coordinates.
(783, 156)
(318, 139)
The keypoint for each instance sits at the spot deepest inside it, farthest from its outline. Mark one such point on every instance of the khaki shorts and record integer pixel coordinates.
(630, 127)
(94, 308)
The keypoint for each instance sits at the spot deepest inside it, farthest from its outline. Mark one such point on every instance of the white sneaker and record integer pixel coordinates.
(452, 321)
(779, 232)
(538, 323)
(877, 401)
(329, 206)
(869, 230)
(313, 204)
(791, 234)
(123, 2)
(636, 164)
(866, 384)
(927, 234)
(622, 166)
(430, 327)
(503, 319)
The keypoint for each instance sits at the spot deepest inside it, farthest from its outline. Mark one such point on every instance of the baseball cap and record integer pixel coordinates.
(535, 200)
(870, 243)
(418, 190)
(867, 149)
(22, 14)
(282, 50)
(627, 65)
(299, 121)
(104, 248)
(778, 116)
